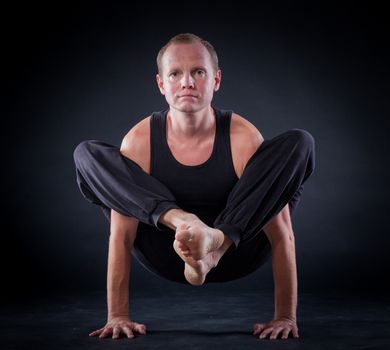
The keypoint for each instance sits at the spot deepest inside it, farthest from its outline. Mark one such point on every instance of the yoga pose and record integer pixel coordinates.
(196, 194)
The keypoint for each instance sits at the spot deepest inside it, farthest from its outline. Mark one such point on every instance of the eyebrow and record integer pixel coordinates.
(195, 68)
(200, 67)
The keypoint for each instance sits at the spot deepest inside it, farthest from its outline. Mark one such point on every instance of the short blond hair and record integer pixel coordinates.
(188, 38)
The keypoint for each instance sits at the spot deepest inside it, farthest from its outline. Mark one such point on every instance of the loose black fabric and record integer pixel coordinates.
(273, 177)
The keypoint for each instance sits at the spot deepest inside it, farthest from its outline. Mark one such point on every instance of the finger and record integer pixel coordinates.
(140, 328)
(258, 327)
(285, 333)
(95, 333)
(116, 332)
(295, 332)
(127, 330)
(276, 332)
(106, 332)
(265, 333)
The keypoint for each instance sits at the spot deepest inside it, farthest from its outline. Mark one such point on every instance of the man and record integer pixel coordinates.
(205, 177)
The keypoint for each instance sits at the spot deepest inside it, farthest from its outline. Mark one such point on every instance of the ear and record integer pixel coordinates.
(160, 84)
(217, 80)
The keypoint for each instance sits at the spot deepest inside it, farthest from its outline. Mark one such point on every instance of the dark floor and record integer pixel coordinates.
(198, 319)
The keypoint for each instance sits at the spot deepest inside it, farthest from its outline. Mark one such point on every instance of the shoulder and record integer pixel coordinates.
(244, 133)
(245, 139)
(136, 144)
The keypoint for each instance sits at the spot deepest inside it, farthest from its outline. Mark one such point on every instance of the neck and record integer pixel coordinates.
(195, 126)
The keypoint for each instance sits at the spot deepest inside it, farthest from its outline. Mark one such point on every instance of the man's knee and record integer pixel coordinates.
(302, 145)
(300, 141)
(302, 138)
(84, 152)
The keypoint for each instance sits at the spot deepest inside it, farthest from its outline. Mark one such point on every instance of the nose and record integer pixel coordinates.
(187, 81)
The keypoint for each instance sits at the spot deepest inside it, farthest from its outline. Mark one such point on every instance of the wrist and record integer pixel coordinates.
(117, 315)
(291, 318)
(117, 307)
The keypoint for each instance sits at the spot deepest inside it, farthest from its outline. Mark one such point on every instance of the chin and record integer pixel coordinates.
(187, 108)
(190, 107)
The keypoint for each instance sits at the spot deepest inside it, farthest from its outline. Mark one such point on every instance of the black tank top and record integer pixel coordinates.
(200, 189)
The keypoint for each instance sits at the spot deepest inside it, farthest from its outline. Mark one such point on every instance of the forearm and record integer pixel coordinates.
(118, 275)
(285, 278)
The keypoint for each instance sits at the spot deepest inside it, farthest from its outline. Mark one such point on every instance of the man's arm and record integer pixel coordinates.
(245, 140)
(122, 235)
(136, 144)
(123, 231)
(280, 234)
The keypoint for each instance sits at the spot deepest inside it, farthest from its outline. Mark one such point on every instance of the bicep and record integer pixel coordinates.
(129, 145)
(250, 144)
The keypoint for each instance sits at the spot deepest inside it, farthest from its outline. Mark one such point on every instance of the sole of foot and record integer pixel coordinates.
(195, 271)
(197, 239)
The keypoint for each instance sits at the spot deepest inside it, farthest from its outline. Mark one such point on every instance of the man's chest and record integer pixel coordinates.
(192, 154)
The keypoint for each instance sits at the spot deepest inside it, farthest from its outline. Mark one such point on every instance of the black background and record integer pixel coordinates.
(86, 70)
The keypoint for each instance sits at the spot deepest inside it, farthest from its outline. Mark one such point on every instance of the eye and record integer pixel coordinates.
(200, 72)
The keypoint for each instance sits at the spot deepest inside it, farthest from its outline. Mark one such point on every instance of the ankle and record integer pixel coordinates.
(227, 242)
(175, 217)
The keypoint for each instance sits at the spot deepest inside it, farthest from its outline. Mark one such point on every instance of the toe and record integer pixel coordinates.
(183, 247)
(183, 236)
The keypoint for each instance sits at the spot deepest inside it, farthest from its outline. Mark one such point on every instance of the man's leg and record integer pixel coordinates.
(111, 181)
(273, 178)
(197, 244)
(107, 178)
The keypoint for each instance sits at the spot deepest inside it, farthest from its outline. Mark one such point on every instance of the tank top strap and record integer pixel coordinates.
(156, 138)
(156, 125)
(223, 139)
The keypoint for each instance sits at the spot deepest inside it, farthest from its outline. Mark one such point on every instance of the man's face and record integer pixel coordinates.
(188, 80)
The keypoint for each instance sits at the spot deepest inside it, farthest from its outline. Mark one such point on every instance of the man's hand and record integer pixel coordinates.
(118, 325)
(273, 328)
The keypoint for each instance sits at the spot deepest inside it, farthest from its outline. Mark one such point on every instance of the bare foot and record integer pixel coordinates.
(195, 271)
(196, 239)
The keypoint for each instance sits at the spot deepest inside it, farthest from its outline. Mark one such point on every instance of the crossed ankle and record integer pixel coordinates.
(175, 217)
